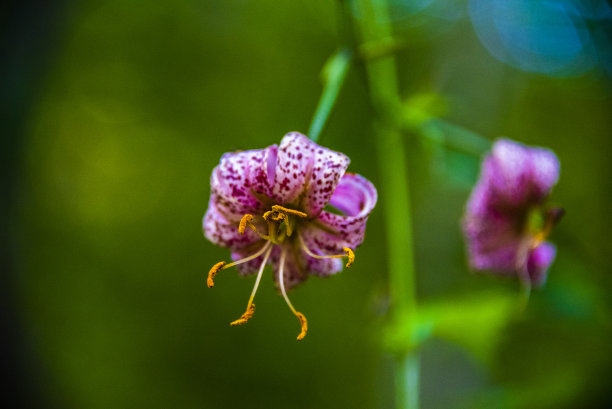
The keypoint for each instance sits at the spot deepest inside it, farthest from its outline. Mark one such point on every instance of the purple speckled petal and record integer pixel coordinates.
(293, 165)
(539, 261)
(515, 179)
(501, 260)
(320, 267)
(356, 197)
(518, 174)
(223, 232)
(237, 179)
(544, 172)
(323, 267)
(507, 170)
(328, 167)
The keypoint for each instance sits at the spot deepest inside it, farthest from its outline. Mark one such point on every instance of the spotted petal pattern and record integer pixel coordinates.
(239, 177)
(355, 197)
(300, 175)
(515, 180)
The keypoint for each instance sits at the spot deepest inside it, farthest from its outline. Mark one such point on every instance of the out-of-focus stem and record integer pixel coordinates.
(395, 193)
(334, 74)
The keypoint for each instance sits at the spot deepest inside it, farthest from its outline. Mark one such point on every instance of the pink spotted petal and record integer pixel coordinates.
(293, 165)
(519, 175)
(320, 267)
(219, 230)
(544, 172)
(328, 167)
(500, 260)
(355, 196)
(239, 178)
(514, 180)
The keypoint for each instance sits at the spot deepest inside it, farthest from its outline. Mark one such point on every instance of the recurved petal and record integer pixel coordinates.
(539, 261)
(237, 180)
(354, 196)
(219, 230)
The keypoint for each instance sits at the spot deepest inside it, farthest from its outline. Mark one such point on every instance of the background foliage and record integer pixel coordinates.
(117, 111)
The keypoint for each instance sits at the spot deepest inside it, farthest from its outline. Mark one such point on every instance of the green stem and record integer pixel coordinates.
(334, 74)
(395, 194)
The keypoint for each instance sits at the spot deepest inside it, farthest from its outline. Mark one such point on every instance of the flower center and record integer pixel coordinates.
(540, 223)
(281, 224)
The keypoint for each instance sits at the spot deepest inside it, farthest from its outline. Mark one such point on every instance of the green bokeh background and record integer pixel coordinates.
(138, 101)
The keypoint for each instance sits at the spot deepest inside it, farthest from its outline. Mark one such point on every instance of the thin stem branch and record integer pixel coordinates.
(334, 74)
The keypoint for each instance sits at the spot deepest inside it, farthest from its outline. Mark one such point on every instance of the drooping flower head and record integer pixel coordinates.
(507, 219)
(267, 206)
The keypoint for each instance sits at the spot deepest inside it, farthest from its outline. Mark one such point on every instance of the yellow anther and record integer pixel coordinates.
(282, 209)
(279, 213)
(304, 324)
(245, 317)
(244, 222)
(213, 272)
(273, 215)
(350, 255)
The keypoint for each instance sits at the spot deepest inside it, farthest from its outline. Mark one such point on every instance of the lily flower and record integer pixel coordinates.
(269, 207)
(507, 219)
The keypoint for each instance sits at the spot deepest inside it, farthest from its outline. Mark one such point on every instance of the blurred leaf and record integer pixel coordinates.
(475, 322)
(423, 107)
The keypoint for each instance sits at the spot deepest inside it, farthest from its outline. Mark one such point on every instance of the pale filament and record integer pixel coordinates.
(222, 266)
(250, 309)
(348, 253)
(299, 315)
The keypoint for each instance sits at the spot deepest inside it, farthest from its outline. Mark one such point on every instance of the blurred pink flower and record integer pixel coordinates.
(267, 205)
(506, 221)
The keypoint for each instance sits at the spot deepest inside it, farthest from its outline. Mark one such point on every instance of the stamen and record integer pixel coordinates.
(221, 265)
(299, 315)
(273, 215)
(213, 272)
(279, 213)
(250, 309)
(244, 317)
(282, 209)
(304, 324)
(349, 254)
(244, 222)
